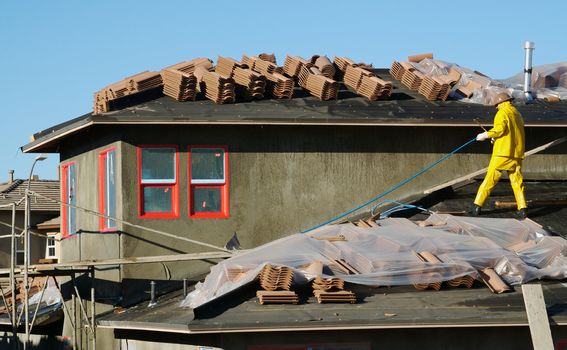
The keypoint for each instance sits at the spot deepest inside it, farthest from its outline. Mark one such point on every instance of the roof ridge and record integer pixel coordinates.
(12, 186)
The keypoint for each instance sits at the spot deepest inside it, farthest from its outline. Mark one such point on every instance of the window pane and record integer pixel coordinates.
(158, 164)
(110, 189)
(71, 199)
(207, 164)
(157, 200)
(206, 200)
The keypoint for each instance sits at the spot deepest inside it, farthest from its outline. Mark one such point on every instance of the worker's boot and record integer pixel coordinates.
(475, 211)
(521, 214)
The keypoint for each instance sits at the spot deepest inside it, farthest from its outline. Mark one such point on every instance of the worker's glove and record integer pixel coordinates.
(482, 136)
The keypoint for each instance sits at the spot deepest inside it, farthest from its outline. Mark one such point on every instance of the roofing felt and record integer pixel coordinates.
(383, 307)
(404, 108)
(15, 192)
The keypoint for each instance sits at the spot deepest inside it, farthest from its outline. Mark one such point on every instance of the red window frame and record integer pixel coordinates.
(224, 207)
(64, 195)
(174, 187)
(102, 156)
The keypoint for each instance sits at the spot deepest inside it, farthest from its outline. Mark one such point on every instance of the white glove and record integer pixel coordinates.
(482, 136)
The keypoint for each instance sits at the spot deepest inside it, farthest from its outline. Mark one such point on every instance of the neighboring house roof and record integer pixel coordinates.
(14, 192)
(377, 308)
(403, 108)
(51, 224)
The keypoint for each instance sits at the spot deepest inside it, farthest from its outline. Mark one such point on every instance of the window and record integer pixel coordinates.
(68, 194)
(107, 188)
(20, 250)
(208, 188)
(50, 247)
(157, 182)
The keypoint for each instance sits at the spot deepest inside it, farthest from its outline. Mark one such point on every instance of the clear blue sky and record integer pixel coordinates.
(56, 54)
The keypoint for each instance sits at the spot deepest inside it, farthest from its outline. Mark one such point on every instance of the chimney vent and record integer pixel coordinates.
(529, 46)
(10, 176)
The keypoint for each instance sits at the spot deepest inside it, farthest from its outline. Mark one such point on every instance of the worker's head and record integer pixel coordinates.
(501, 97)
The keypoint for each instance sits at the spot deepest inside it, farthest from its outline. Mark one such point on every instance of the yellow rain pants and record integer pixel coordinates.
(514, 169)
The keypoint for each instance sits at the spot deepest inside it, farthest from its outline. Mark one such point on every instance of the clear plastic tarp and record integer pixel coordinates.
(385, 255)
(548, 82)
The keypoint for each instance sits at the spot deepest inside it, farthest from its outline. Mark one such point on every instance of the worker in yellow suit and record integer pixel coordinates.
(507, 154)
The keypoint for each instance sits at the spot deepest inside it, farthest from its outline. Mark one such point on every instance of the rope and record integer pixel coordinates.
(391, 189)
(131, 224)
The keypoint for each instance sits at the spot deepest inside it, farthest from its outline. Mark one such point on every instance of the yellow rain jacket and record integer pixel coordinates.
(508, 132)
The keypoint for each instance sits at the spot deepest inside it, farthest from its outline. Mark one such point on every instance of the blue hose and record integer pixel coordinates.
(393, 188)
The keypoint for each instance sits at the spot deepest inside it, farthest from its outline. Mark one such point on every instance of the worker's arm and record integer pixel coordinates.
(500, 125)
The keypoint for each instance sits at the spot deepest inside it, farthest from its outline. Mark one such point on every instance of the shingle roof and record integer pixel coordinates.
(13, 192)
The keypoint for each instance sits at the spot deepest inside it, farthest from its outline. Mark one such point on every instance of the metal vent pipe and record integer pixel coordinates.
(529, 47)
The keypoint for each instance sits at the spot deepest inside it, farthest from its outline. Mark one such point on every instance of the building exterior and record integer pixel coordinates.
(42, 209)
(262, 169)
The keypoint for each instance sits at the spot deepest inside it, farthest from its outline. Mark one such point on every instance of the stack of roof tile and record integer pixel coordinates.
(277, 297)
(494, 282)
(279, 86)
(276, 277)
(436, 285)
(330, 290)
(249, 84)
(270, 57)
(128, 86)
(398, 69)
(367, 84)
(276, 282)
(292, 65)
(412, 79)
(342, 63)
(190, 66)
(179, 85)
(339, 296)
(320, 283)
(438, 87)
(217, 88)
(324, 65)
(144, 81)
(312, 80)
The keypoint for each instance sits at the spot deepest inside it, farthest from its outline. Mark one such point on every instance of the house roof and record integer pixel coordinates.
(403, 108)
(15, 191)
(377, 307)
(50, 224)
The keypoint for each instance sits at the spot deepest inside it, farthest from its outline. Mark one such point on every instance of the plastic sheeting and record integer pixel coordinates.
(385, 255)
(548, 81)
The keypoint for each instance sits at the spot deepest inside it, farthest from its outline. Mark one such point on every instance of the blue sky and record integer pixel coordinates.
(56, 54)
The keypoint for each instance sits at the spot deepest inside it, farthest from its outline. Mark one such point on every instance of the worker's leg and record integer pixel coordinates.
(517, 182)
(490, 180)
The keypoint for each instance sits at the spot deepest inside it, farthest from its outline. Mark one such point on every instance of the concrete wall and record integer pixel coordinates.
(283, 179)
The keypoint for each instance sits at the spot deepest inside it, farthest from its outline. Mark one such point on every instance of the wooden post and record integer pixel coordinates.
(537, 316)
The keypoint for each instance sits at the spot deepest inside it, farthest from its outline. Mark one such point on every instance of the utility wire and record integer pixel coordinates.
(391, 189)
(89, 211)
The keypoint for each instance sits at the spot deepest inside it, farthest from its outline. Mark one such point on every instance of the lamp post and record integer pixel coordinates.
(27, 214)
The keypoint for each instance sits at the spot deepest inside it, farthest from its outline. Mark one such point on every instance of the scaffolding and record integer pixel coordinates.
(80, 316)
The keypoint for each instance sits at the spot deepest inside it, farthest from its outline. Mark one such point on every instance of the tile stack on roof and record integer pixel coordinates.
(292, 65)
(324, 65)
(330, 290)
(276, 277)
(137, 83)
(412, 78)
(217, 88)
(342, 63)
(438, 87)
(144, 81)
(277, 84)
(190, 66)
(313, 80)
(179, 85)
(366, 83)
(276, 282)
(249, 84)
(270, 57)
(398, 69)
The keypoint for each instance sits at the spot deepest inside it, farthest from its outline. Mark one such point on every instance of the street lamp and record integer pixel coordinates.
(27, 214)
